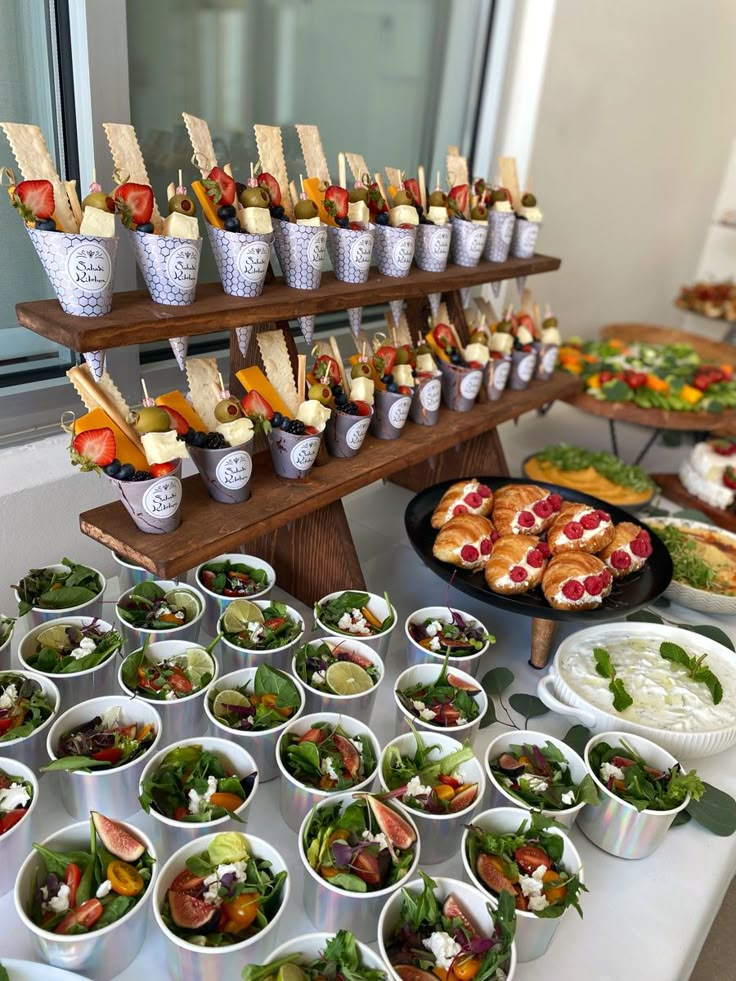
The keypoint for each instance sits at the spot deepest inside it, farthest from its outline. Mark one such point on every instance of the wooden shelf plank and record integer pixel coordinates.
(136, 319)
(209, 528)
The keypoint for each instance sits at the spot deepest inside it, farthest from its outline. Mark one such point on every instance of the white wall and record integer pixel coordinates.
(634, 131)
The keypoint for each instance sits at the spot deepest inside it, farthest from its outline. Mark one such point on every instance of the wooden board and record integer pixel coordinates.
(673, 489)
(714, 351)
(209, 528)
(136, 319)
(656, 418)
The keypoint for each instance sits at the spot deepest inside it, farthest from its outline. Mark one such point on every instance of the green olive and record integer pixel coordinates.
(528, 200)
(255, 197)
(402, 356)
(505, 327)
(227, 410)
(437, 199)
(479, 212)
(357, 194)
(549, 322)
(479, 337)
(98, 199)
(361, 370)
(403, 197)
(182, 204)
(321, 393)
(499, 194)
(150, 419)
(424, 349)
(305, 208)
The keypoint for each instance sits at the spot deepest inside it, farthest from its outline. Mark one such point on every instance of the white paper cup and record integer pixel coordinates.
(31, 749)
(617, 827)
(109, 790)
(130, 575)
(215, 603)
(5, 645)
(293, 456)
(193, 963)
(439, 832)
(103, 954)
(234, 657)
(378, 607)
(169, 266)
(416, 654)
(500, 232)
(393, 249)
(427, 673)
(534, 934)
(135, 637)
(261, 744)
(242, 260)
(524, 239)
(81, 269)
(432, 247)
(350, 252)
(359, 706)
(468, 241)
(92, 608)
(311, 945)
(154, 505)
(301, 253)
(16, 842)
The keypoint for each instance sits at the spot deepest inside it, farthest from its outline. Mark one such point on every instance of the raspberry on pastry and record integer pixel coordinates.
(576, 581)
(579, 527)
(516, 565)
(524, 509)
(465, 541)
(464, 497)
(628, 550)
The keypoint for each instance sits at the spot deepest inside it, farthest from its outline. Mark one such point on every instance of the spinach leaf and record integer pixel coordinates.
(115, 909)
(268, 680)
(65, 597)
(57, 862)
(71, 764)
(351, 883)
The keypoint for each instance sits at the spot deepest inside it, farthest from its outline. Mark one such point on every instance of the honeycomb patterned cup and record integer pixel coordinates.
(81, 269)
(169, 266)
(301, 253)
(242, 260)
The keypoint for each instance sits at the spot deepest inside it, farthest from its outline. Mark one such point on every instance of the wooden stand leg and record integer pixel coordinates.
(314, 555)
(542, 635)
(481, 455)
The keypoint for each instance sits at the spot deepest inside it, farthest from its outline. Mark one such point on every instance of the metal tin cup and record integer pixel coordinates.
(470, 899)
(496, 376)
(191, 962)
(439, 832)
(416, 654)
(180, 717)
(393, 249)
(16, 842)
(214, 603)
(242, 260)
(155, 504)
(468, 241)
(81, 269)
(112, 790)
(297, 800)
(103, 954)
(425, 402)
(500, 232)
(130, 575)
(524, 239)
(261, 745)
(522, 369)
(311, 945)
(380, 609)
(225, 473)
(31, 749)
(460, 386)
(169, 266)
(350, 252)
(617, 827)
(234, 657)
(293, 456)
(501, 797)
(235, 759)
(359, 706)
(427, 674)
(74, 686)
(390, 412)
(135, 637)
(330, 908)
(534, 933)
(432, 247)
(345, 434)
(92, 608)
(301, 253)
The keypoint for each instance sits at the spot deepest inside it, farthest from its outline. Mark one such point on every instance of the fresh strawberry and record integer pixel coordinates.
(163, 469)
(404, 390)
(406, 224)
(458, 197)
(412, 186)
(376, 202)
(134, 203)
(220, 186)
(178, 421)
(93, 449)
(326, 370)
(256, 407)
(475, 364)
(272, 186)
(729, 478)
(387, 355)
(479, 187)
(444, 336)
(355, 226)
(363, 408)
(336, 201)
(34, 200)
(311, 431)
(724, 447)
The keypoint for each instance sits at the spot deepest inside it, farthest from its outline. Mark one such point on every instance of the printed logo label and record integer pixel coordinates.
(402, 252)
(470, 384)
(253, 261)
(304, 453)
(429, 395)
(182, 265)
(356, 434)
(399, 412)
(475, 241)
(501, 375)
(360, 252)
(507, 229)
(439, 242)
(89, 268)
(234, 470)
(525, 367)
(163, 498)
(316, 249)
(549, 359)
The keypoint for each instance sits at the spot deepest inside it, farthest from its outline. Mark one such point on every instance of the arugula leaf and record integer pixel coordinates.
(422, 908)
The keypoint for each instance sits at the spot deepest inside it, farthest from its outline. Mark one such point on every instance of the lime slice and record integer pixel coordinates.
(228, 696)
(290, 972)
(54, 637)
(239, 614)
(182, 599)
(346, 678)
(199, 664)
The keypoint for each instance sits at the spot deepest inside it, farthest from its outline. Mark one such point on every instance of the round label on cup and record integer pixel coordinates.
(525, 367)
(475, 242)
(316, 249)
(182, 266)
(253, 261)
(439, 242)
(163, 497)
(429, 395)
(304, 453)
(549, 359)
(399, 412)
(507, 230)
(89, 268)
(234, 470)
(356, 434)
(360, 252)
(470, 384)
(501, 375)
(402, 252)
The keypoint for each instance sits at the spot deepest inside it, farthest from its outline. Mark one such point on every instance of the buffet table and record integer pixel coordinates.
(644, 919)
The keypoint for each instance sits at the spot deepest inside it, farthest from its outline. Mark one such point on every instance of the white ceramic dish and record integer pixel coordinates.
(698, 599)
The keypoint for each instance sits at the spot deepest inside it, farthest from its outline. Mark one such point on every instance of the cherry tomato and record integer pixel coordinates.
(124, 878)
(143, 731)
(242, 911)
(9, 820)
(230, 802)
(72, 878)
(112, 755)
(465, 968)
(275, 623)
(85, 915)
(529, 858)
(553, 888)
(180, 813)
(179, 682)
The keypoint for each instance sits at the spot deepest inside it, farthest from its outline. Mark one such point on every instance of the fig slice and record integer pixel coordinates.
(398, 831)
(452, 909)
(489, 873)
(456, 682)
(365, 866)
(407, 972)
(350, 755)
(188, 912)
(464, 798)
(509, 765)
(116, 839)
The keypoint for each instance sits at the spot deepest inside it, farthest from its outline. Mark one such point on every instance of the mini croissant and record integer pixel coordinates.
(579, 528)
(628, 550)
(524, 509)
(464, 497)
(576, 581)
(516, 564)
(465, 541)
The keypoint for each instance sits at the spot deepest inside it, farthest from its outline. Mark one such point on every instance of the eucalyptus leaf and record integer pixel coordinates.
(644, 616)
(715, 811)
(490, 717)
(682, 818)
(692, 514)
(528, 706)
(710, 631)
(652, 511)
(577, 738)
(662, 603)
(496, 681)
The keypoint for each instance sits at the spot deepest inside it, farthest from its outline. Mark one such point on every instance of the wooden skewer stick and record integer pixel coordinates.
(293, 193)
(181, 182)
(146, 397)
(222, 385)
(301, 381)
(422, 180)
(342, 175)
(338, 357)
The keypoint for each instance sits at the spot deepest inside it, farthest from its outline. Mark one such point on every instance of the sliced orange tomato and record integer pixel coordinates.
(371, 617)
(241, 911)
(444, 791)
(230, 802)
(466, 968)
(124, 878)
(553, 888)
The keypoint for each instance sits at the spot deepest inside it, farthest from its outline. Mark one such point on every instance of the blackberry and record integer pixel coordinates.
(141, 475)
(215, 441)
(350, 409)
(297, 427)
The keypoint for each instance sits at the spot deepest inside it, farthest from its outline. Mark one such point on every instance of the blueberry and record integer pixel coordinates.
(341, 399)
(112, 468)
(46, 225)
(387, 379)
(145, 226)
(455, 358)
(336, 389)
(125, 472)
(420, 209)
(200, 439)
(277, 420)
(231, 224)
(277, 211)
(343, 222)
(425, 221)
(226, 211)
(285, 422)
(382, 218)
(392, 387)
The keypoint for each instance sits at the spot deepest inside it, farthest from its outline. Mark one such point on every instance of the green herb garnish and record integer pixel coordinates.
(340, 958)
(641, 785)
(688, 565)
(695, 667)
(606, 464)
(604, 667)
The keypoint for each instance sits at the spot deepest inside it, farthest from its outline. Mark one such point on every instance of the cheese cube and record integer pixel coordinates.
(313, 413)
(404, 214)
(362, 389)
(437, 214)
(256, 221)
(97, 222)
(476, 352)
(181, 226)
(403, 375)
(358, 211)
(237, 432)
(162, 447)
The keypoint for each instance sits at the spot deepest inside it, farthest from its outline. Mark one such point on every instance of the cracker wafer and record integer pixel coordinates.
(394, 177)
(510, 179)
(204, 388)
(278, 367)
(203, 150)
(358, 166)
(422, 181)
(313, 152)
(33, 157)
(457, 167)
(271, 154)
(128, 161)
(71, 193)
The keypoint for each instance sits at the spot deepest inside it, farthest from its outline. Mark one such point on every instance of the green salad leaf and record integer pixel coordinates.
(641, 785)
(604, 667)
(695, 667)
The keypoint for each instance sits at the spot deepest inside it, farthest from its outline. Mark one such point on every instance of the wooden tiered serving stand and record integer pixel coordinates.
(299, 525)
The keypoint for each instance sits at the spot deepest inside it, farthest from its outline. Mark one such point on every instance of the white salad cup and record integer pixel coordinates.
(31, 749)
(297, 800)
(180, 717)
(16, 842)
(135, 637)
(439, 832)
(359, 706)
(175, 834)
(380, 610)
(92, 608)
(5, 644)
(102, 954)
(311, 945)
(129, 574)
(109, 790)
(261, 744)
(534, 934)
(234, 657)
(416, 654)
(500, 795)
(191, 962)
(422, 674)
(74, 686)
(617, 827)
(330, 908)
(215, 604)
(472, 902)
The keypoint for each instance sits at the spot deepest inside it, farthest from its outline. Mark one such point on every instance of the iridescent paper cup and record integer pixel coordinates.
(416, 654)
(425, 402)
(109, 790)
(427, 674)
(350, 252)
(500, 232)
(104, 954)
(81, 270)
(393, 249)
(332, 909)
(499, 794)
(16, 842)
(301, 253)
(617, 827)
(169, 266)
(534, 933)
(293, 456)
(468, 241)
(311, 945)
(31, 749)
(357, 706)
(5, 645)
(496, 376)
(242, 260)
(524, 239)
(390, 412)
(546, 361)
(460, 386)
(260, 744)
(234, 657)
(380, 610)
(522, 369)
(297, 800)
(225, 473)
(135, 637)
(215, 603)
(345, 434)
(155, 504)
(235, 759)
(432, 247)
(130, 575)
(92, 608)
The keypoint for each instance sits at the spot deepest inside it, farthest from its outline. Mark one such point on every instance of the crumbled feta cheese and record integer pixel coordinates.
(568, 799)
(86, 646)
(344, 622)
(198, 803)
(444, 948)
(256, 631)
(531, 885)
(359, 626)
(103, 889)
(461, 721)
(427, 714)
(380, 839)
(319, 678)
(171, 696)
(433, 628)
(58, 903)
(418, 705)
(608, 770)
(328, 769)
(356, 614)
(212, 882)
(415, 788)
(180, 615)
(9, 697)
(538, 903)
(163, 609)
(434, 644)
(536, 784)
(13, 796)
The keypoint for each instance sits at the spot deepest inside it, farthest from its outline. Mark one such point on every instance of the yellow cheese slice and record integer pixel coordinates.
(209, 210)
(253, 379)
(176, 401)
(125, 451)
(313, 190)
